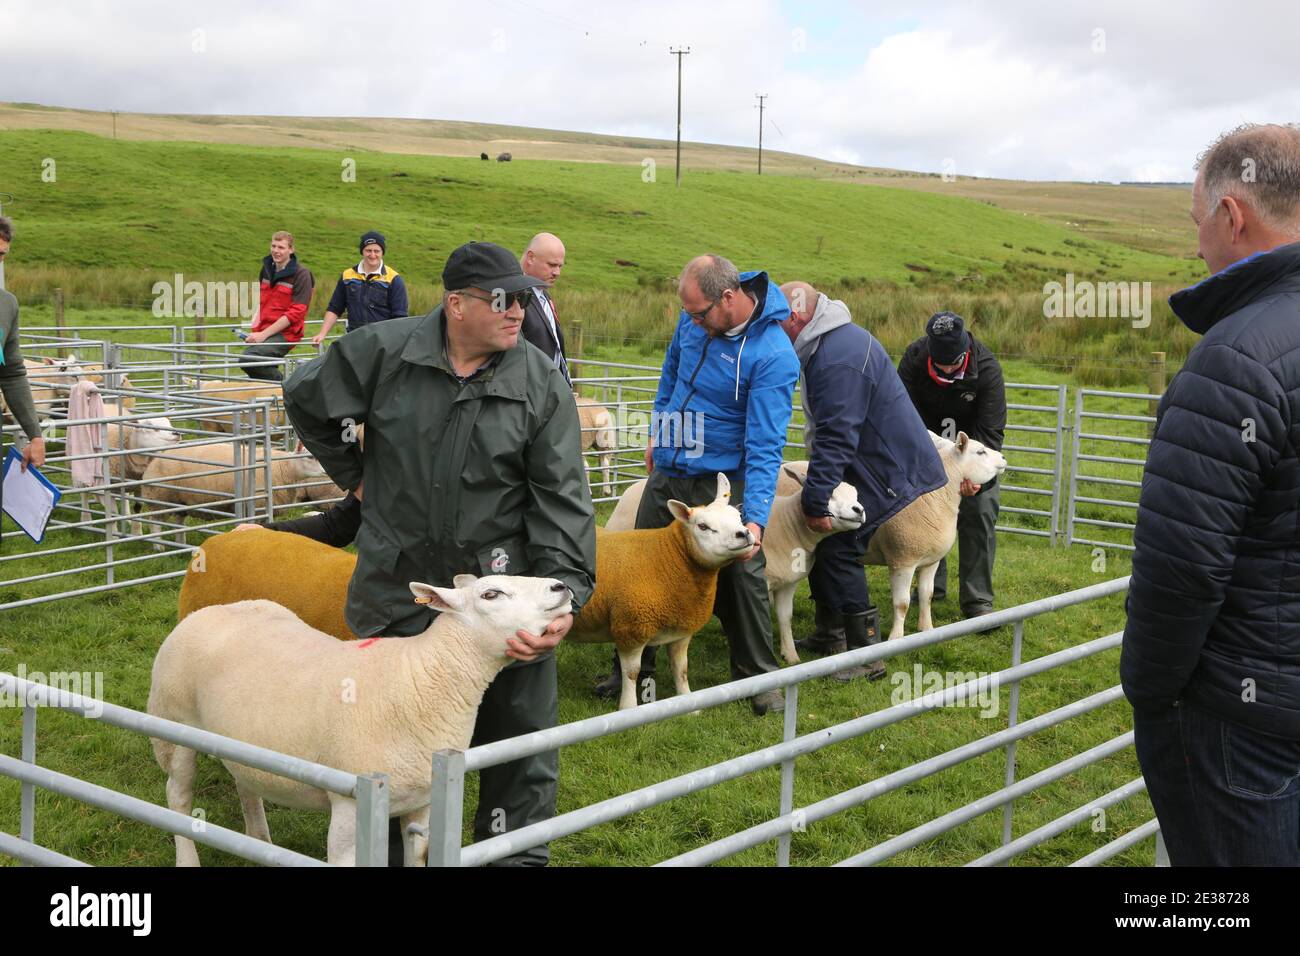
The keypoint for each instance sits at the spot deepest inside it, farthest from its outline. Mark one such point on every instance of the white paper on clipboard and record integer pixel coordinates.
(28, 496)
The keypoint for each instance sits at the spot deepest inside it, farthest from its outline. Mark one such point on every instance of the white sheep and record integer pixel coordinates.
(240, 392)
(255, 672)
(598, 434)
(138, 436)
(914, 540)
(788, 546)
(177, 478)
(657, 586)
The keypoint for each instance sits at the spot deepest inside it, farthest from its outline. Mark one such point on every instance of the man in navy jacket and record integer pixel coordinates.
(861, 427)
(1211, 654)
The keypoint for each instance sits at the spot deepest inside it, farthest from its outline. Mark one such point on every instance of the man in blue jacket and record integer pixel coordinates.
(860, 427)
(1211, 654)
(725, 398)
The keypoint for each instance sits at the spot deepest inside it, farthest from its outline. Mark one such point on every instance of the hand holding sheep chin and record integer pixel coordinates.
(757, 532)
(818, 524)
(528, 647)
(969, 488)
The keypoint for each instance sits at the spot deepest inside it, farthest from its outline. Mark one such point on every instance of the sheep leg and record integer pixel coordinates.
(254, 813)
(415, 846)
(784, 600)
(180, 763)
(900, 587)
(605, 468)
(343, 831)
(924, 592)
(677, 655)
(630, 663)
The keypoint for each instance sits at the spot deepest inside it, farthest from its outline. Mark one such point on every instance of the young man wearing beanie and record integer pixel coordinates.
(286, 291)
(956, 384)
(369, 292)
(473, 465)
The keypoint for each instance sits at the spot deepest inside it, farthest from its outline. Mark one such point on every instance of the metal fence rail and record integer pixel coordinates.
(450, 767)
(369, 790)
(1102, 457)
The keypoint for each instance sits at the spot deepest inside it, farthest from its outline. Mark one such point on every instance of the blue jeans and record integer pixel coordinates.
(1225, 794)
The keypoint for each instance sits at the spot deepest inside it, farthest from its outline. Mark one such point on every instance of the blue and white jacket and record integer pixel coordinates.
(725, 401)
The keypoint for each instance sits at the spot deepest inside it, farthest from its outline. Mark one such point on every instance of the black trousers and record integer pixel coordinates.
(741, 605)
(838, 579)
(274, 347)
(977, 546)
(521, 700)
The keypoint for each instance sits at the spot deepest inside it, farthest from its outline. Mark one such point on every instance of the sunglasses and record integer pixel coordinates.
(505, 301)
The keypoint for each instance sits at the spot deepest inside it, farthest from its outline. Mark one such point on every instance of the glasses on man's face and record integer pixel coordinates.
(505, 301)
(701, 316)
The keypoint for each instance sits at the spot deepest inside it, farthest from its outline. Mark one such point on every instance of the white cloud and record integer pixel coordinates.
(1013, 88)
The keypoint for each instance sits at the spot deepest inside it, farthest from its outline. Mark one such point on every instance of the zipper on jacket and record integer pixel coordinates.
(686, 401)
(880, 481)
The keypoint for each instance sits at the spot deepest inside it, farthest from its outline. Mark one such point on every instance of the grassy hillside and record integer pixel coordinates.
(1151, 218)
(163, 207)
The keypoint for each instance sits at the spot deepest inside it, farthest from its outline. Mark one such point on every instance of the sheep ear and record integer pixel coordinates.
(463, 580)
(962, 439)
(724, 490)
(441, 599)
(679, 510)
(795, 475)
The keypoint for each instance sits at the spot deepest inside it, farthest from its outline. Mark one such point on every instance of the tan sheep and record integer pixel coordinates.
(598, 434)
(657, 586)
(233, 567)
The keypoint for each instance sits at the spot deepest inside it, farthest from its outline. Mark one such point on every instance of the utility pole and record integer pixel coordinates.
(679, 54)
(761, 97)
(114, 112)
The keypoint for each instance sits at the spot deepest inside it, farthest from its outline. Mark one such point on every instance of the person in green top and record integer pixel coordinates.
(472, 465)
(13, 375)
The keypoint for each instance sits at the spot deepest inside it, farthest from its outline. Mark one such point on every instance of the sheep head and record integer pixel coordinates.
(845, 512)
(976, 462)
(494, 607)
(715, 532)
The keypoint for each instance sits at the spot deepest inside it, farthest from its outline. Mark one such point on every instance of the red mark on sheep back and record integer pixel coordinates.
(369, 641)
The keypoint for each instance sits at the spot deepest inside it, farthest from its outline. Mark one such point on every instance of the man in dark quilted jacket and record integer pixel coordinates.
(1211, 656)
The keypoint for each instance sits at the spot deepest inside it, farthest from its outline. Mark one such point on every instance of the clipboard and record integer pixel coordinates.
(29, 493)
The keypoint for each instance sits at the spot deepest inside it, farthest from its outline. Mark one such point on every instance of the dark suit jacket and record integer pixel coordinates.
(537, 329)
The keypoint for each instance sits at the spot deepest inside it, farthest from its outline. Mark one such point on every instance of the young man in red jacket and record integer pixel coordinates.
(286, 290)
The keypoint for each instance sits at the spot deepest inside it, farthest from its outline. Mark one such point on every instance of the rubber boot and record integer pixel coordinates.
(611, 687)
(829, 636)
(862, 630)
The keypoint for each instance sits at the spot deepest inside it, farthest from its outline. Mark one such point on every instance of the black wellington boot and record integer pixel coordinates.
(829, 636)
(862, 630)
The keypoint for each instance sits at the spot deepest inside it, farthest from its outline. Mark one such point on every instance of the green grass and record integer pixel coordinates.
(118, 634)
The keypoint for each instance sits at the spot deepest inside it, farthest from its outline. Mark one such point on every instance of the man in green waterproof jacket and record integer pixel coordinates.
(473, 465)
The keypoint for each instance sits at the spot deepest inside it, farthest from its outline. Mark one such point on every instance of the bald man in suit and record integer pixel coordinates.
(544, 259)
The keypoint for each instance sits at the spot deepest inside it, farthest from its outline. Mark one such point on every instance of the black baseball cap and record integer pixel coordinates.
(487, 266)
(948, 337)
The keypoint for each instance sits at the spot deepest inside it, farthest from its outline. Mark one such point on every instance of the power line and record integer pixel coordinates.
(761, 97)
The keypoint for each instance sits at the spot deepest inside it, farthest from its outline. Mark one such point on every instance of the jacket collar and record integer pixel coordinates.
(508, 378)
(269, 270)
(1212, 299)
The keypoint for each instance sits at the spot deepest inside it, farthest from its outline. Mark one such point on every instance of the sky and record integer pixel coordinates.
(1110, 90)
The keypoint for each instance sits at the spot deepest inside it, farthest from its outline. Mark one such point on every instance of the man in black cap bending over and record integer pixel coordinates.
(473, 465)
(956, 384)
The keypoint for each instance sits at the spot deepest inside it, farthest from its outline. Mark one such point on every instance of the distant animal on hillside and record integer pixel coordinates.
(482, 155)
(503, 158)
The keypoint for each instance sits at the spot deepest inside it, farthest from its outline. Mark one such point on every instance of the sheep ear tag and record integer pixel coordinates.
(440, 599)
(724, 489)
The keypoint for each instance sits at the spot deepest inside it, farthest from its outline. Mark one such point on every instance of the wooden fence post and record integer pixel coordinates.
(1155, 382)
(58, 317)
